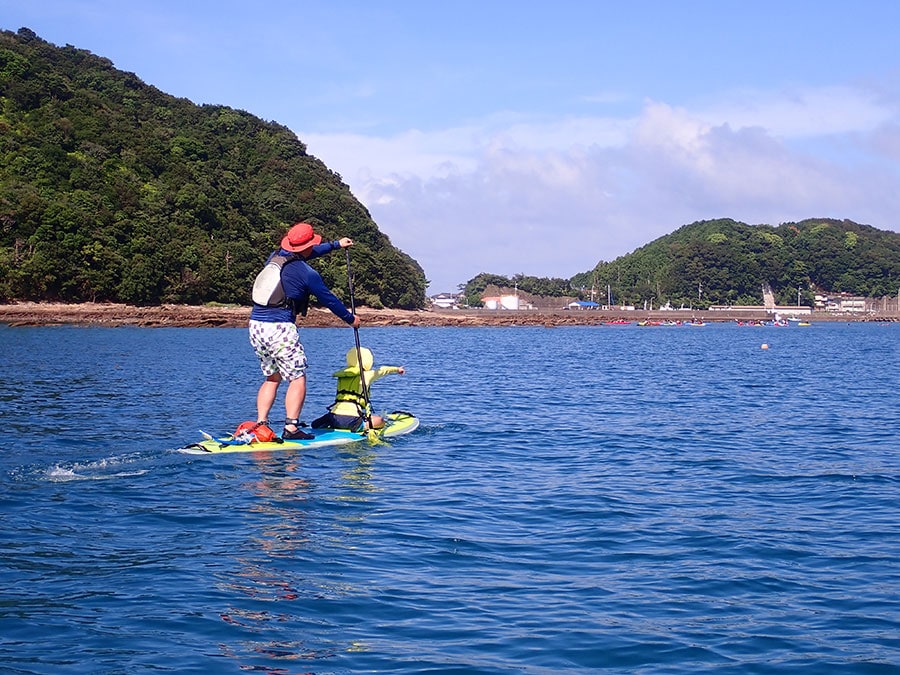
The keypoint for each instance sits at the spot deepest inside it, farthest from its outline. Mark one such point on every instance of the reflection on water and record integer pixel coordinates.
(359, 461)
(281, 494)
(280, 529)
(280, 565)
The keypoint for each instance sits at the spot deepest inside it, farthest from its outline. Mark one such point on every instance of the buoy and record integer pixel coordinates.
(764, 346)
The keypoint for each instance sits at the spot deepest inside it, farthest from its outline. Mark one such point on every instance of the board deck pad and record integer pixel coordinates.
(395, 424)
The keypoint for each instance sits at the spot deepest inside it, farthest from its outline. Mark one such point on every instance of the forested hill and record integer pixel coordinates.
(111, 190)
(726, 262)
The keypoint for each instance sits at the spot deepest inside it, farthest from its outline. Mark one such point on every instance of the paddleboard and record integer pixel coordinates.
(395, 424)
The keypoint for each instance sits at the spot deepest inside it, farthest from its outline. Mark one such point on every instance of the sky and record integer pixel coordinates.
(541, 137)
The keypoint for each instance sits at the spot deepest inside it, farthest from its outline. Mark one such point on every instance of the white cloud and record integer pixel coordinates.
(552, 197)
(802, 112)
(362, 159)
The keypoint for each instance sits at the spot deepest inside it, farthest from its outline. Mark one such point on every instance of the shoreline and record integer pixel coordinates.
(206, 316)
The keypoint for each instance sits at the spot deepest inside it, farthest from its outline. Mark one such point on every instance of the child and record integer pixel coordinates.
(349, 408)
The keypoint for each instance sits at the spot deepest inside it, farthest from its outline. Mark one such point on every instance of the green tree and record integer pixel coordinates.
(113, 190)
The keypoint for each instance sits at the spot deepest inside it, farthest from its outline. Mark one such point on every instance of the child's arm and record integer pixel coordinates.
(381, 371)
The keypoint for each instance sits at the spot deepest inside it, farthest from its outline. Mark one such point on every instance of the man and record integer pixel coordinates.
(273, 329)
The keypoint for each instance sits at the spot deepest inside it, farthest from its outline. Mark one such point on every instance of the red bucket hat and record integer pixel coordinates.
(299, 238)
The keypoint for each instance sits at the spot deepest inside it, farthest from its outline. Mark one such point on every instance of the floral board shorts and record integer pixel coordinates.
(277, 345)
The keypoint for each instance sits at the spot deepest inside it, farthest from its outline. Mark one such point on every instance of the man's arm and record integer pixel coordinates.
(328, 247)
(324, 295)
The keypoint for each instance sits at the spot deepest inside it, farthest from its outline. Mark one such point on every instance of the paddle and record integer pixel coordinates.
(373, 433)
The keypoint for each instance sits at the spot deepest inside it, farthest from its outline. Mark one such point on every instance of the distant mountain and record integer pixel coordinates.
(111, 190)
(725, 262)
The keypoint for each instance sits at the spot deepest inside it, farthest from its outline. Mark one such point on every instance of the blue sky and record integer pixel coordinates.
(540, 137)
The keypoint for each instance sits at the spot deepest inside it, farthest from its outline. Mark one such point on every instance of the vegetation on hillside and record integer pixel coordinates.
(724, 262)
(111, 190)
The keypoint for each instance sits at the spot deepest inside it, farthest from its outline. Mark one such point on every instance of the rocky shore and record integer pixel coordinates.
(107, 314)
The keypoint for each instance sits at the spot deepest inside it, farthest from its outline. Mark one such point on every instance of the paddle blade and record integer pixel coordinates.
(375, 437)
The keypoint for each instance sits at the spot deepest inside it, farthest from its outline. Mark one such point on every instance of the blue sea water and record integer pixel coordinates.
(584, 499)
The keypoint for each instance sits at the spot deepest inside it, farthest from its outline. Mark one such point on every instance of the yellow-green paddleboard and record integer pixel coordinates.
(395, 424)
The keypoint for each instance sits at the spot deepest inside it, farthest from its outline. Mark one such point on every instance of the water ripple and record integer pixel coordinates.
(575, 500)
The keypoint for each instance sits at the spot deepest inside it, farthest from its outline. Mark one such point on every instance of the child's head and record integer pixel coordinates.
(367, 358)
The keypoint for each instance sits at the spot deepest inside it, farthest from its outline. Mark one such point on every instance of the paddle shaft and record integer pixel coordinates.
(359, 361)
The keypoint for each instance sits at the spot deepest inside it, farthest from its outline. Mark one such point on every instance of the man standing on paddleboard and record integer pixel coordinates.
(280, 292)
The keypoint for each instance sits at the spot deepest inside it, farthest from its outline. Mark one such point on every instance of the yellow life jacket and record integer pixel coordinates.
(349, 399)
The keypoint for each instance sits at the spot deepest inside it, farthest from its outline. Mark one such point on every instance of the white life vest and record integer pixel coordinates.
(267, 288)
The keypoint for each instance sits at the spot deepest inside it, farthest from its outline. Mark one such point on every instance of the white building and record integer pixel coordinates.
(445, 301)
(504, 302)
(841, 302)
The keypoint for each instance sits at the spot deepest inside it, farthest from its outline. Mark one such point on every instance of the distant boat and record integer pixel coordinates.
(618, 322)
(804, 323)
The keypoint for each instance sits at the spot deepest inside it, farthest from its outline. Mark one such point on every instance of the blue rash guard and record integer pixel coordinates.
(300, 281)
